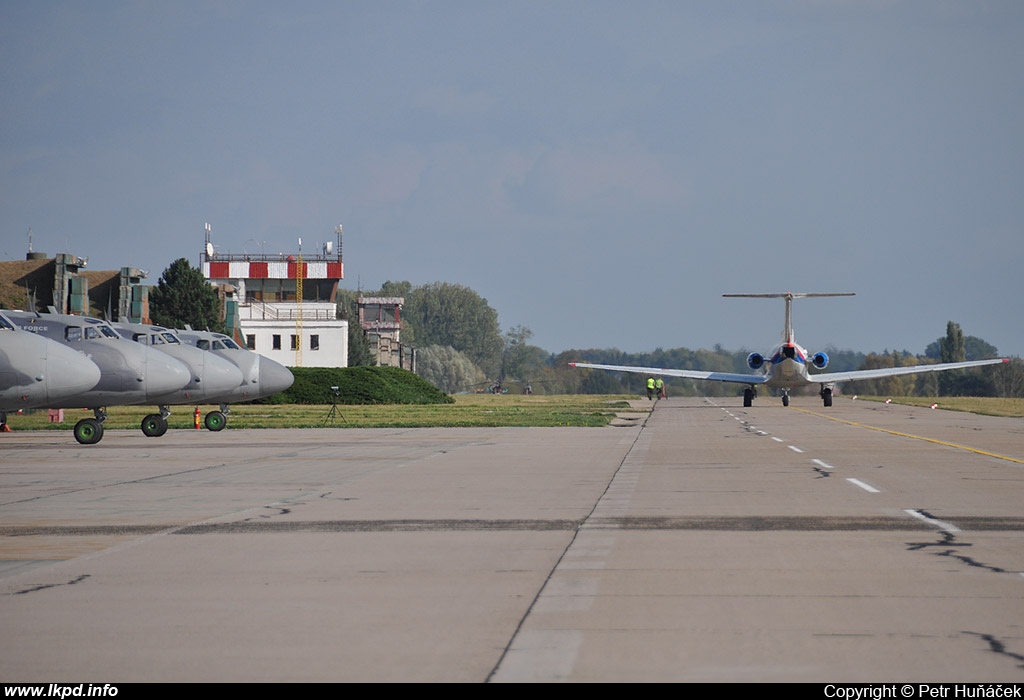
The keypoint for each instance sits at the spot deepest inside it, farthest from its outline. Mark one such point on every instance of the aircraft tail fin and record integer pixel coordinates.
(787, 333)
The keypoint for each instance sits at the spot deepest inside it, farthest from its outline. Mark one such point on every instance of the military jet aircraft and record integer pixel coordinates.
(210, 376)
(786, 366)
(37, 372)
(261, 376)
(130, 373)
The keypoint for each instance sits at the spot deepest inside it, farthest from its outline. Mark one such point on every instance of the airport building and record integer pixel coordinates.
(381, 321)
(65, 283)
(283, 306)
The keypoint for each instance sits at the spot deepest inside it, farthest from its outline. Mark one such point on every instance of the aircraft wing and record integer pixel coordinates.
(683, 373)
(829, 377)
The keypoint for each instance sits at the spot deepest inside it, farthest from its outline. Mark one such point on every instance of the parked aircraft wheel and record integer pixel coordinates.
(785, 399)
(88, 431)
(215, 420)
(748, 398)
(154, 425)
(826, 397)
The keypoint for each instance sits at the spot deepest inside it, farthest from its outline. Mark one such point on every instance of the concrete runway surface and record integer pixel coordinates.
(709, 542)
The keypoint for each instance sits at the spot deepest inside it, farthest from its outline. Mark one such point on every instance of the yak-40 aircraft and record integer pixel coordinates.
(786, 367)
(37, 372)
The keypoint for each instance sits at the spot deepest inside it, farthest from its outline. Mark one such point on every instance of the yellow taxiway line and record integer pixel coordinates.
(915, 437)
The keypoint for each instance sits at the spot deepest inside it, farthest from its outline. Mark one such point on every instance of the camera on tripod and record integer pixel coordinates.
(333, 413)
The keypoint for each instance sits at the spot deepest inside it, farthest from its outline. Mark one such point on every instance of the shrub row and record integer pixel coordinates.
(358, 385)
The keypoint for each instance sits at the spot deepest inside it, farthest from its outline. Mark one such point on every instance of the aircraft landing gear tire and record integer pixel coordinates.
(215, 421)
(154, 425)
(88, 431)
(826, 397)
(785, 399)
(748, 398)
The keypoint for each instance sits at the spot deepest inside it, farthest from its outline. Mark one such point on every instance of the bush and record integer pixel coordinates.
(358, 385)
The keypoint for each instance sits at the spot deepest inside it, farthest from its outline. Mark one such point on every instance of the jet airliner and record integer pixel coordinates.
(786, 366)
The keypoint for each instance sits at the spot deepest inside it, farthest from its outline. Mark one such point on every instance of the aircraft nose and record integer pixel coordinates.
(219, 375)
(274, 377)
(164, 374)
(68, 372)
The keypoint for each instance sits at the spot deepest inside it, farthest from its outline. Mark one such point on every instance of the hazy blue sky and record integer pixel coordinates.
(600, 172)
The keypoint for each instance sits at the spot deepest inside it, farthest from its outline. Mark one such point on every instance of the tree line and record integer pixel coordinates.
(461, 347)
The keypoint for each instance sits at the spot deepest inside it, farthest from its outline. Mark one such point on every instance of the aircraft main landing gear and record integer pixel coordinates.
(89, 431)
(155, 424)
(748, 396)
(215, 421)
(826, 396)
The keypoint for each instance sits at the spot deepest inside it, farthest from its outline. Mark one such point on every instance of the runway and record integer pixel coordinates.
(861, 543)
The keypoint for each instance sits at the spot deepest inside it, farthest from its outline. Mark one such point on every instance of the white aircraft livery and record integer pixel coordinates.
(786, 367)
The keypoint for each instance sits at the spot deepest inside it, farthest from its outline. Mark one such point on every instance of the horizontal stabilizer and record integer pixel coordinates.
(793, 295)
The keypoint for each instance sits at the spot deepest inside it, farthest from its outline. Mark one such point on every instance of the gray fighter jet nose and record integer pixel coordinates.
(164, 374)
(274, 377)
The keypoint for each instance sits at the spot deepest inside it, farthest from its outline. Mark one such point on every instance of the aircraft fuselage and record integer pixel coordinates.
(130, 373)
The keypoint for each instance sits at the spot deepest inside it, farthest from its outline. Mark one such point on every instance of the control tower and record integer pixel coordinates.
(283, 305)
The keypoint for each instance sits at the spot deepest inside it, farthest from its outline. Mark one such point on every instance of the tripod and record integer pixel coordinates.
(333, 413)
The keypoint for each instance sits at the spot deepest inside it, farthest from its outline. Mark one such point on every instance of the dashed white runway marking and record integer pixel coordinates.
(866, 487)
(795, 448)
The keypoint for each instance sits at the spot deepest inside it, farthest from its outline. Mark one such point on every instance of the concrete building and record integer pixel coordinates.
(283, 306)
(63, 282)
(381, 321)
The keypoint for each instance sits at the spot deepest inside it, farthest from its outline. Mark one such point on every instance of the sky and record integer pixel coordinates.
(600, 172)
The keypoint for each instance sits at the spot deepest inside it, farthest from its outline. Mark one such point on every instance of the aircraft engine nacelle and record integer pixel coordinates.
(820, 360)
(755, 360)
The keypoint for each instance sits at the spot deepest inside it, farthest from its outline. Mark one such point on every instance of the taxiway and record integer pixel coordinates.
(861, 543)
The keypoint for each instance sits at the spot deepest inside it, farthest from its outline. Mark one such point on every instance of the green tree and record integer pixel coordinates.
(518, 361)
(452, 315)
(449, 370)
(952, 349)
(394, 289)
(1008, 378)
(183, 297)
(974, 349)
